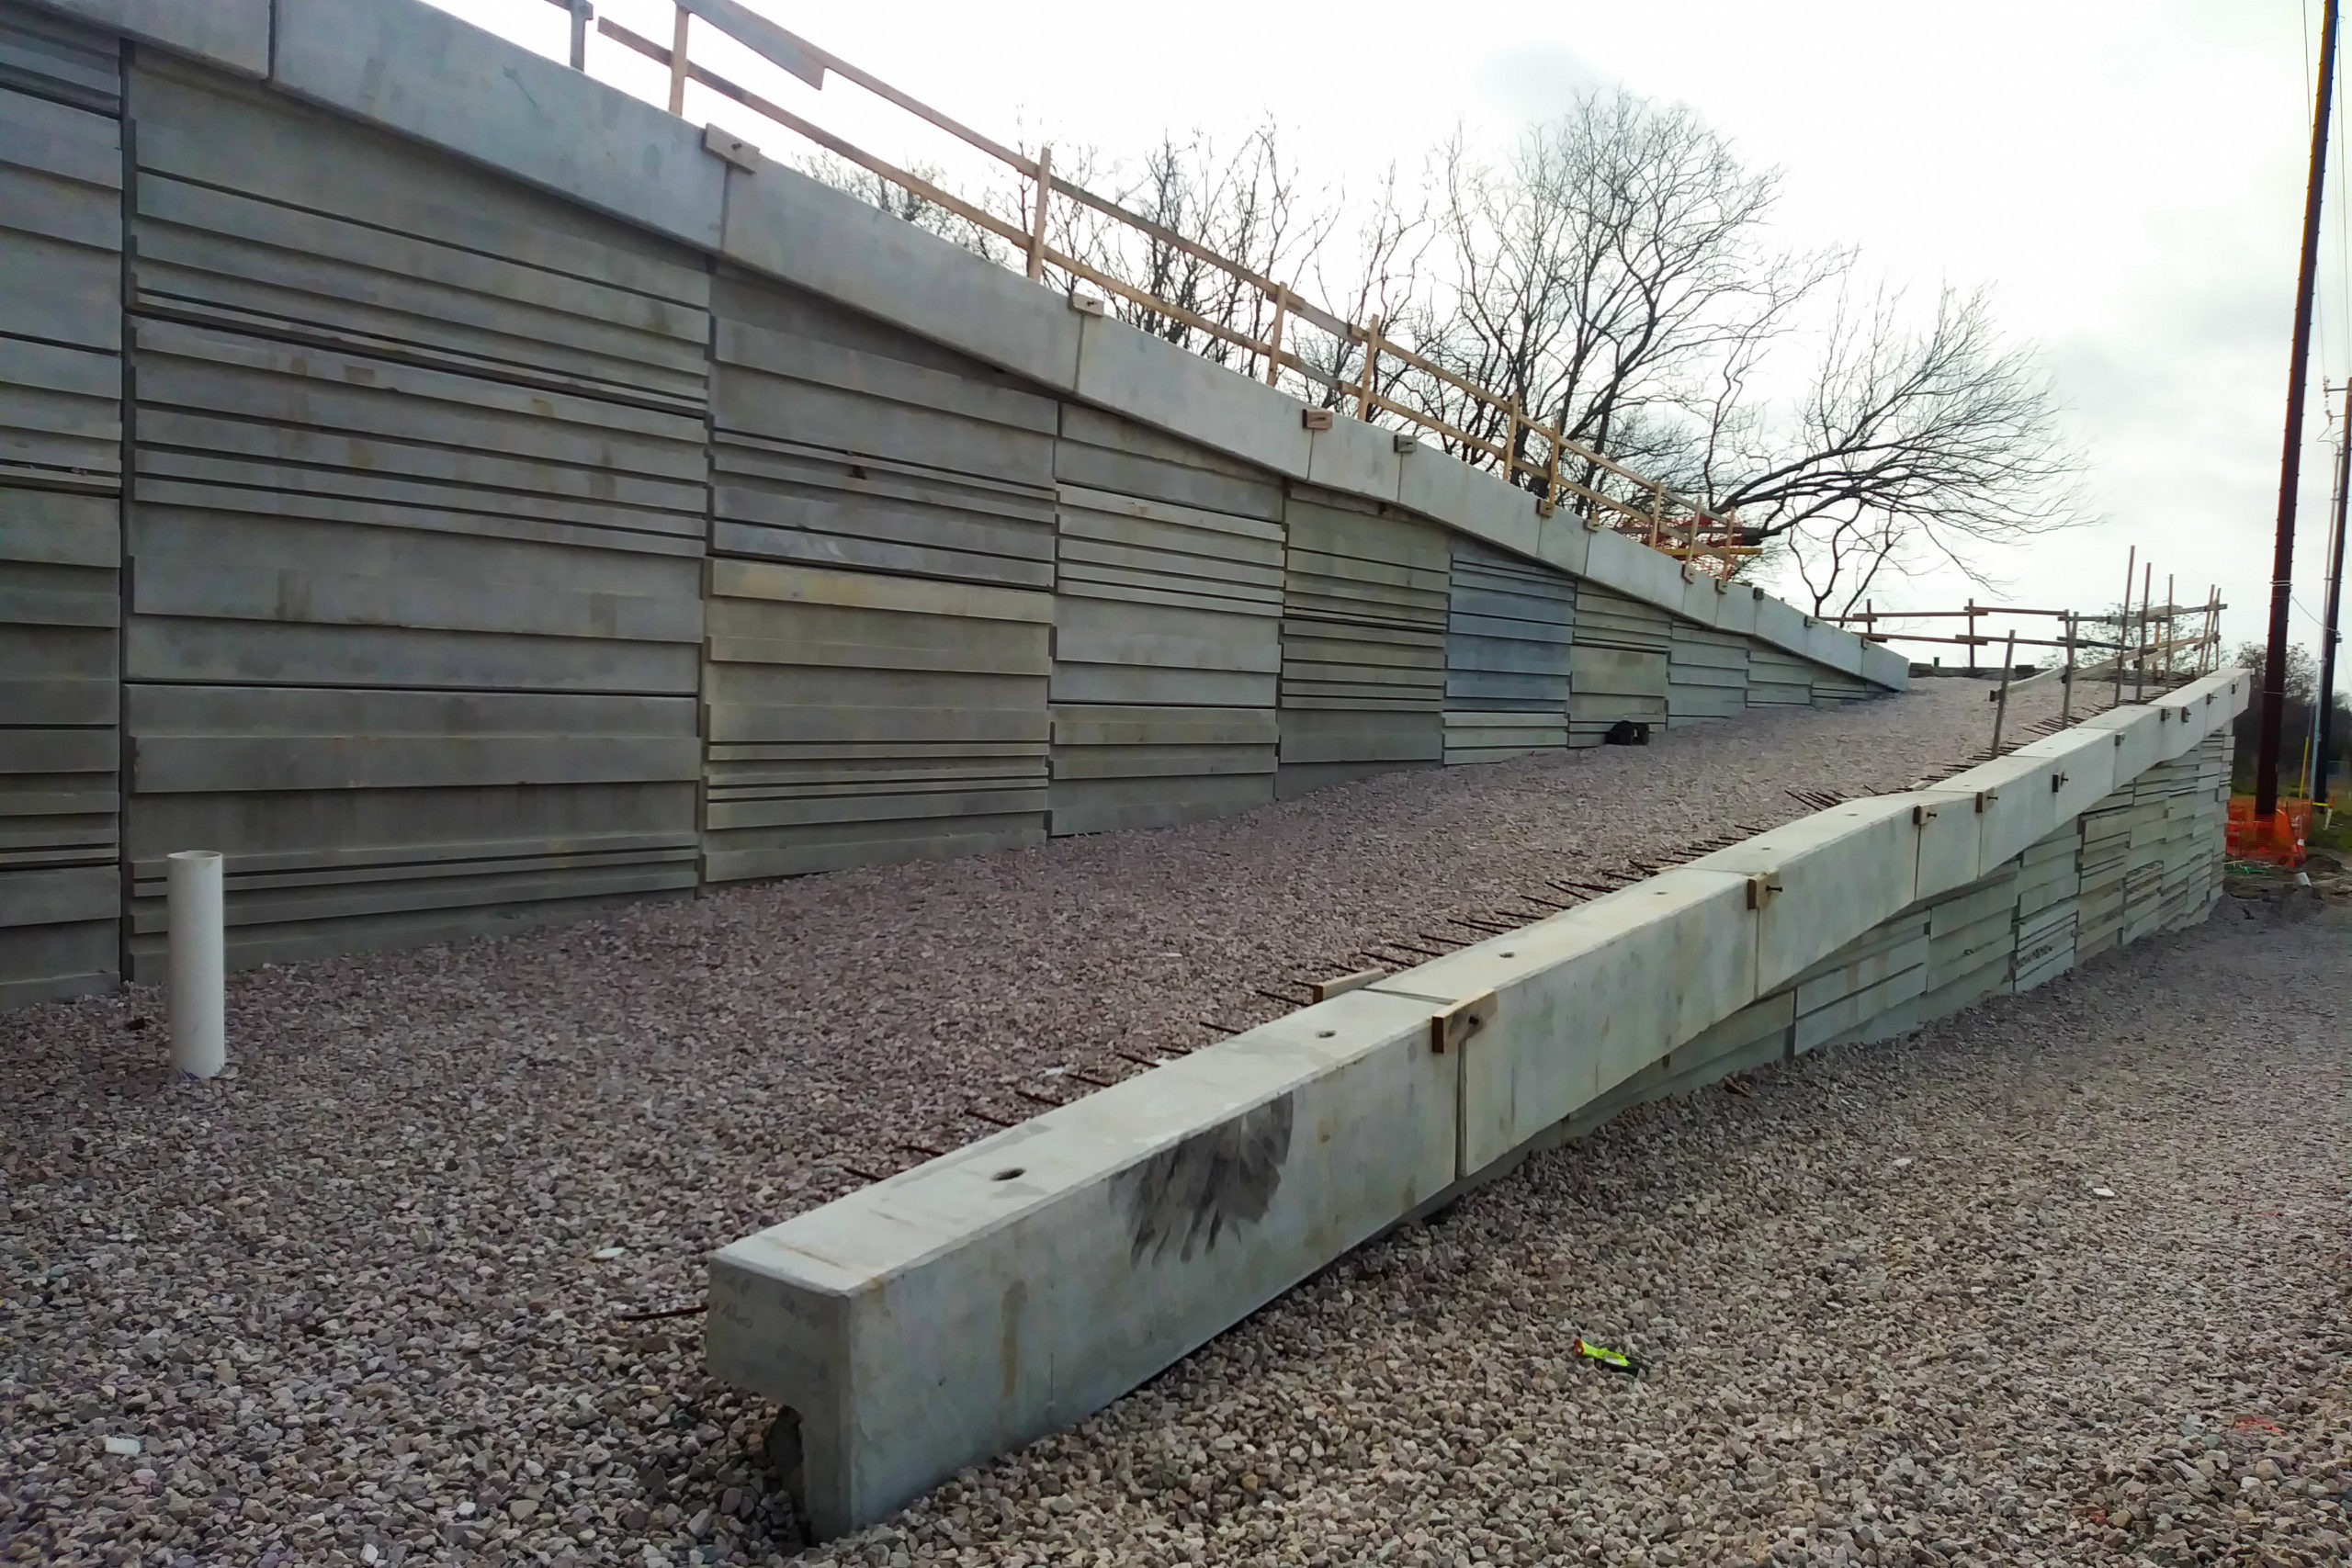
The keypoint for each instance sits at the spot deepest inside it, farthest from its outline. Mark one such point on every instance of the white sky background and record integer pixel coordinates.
(2127, 176)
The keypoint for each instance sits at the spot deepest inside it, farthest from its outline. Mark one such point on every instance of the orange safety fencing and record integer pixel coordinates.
(2278, 841)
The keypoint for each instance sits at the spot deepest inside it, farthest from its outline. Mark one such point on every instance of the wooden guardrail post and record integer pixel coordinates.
(1038, 215)
(678, 32)
(1371, 364)
(2123, 620)
(2066, 682)
(1274, 338)
(583, 13)
(1549, 502)
(2140, 658)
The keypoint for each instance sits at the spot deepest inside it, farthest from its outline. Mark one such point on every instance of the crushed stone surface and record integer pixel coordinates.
(359, 1303)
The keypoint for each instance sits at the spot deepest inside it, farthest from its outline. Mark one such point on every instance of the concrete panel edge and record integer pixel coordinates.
(231, 34)
(414, 69)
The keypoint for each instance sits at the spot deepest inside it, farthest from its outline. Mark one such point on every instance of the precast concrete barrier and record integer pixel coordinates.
(995, 1294)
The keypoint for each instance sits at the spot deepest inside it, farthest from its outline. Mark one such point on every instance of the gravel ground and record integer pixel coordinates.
(2062, 1280)
(361, 1297)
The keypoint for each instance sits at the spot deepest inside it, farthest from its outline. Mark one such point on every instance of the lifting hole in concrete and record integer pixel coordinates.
(1007, 1174)
(1324, 1033)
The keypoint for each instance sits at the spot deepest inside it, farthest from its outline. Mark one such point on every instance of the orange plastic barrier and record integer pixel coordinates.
(2278, 841)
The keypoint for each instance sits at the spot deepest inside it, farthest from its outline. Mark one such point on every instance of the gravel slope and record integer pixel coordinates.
(353, 1296)
(2062, 1280)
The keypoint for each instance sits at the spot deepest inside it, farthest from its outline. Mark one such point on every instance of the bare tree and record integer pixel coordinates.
(1910, 449)
(1246, 204)
(1596, 277)
(1617, 274)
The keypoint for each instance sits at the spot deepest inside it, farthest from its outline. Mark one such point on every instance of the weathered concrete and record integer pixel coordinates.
(419, 71)
(930, 1320)
(985, 1299)
(421, 316)
(231, 34)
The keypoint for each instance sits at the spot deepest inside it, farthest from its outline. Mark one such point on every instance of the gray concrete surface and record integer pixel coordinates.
(980, 1301)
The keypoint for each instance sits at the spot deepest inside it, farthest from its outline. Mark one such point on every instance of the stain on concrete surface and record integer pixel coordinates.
(1222, 1176)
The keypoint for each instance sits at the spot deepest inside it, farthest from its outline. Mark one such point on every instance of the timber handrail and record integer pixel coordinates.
(1676, 524)
(2148, 637)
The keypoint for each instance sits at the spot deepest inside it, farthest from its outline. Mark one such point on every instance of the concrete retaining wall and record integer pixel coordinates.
(984, 1299)
(528, 510)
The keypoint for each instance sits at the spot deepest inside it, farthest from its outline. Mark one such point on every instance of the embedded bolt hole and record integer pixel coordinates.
(1007, 1174)
(1324, 1033)
(1509, 954)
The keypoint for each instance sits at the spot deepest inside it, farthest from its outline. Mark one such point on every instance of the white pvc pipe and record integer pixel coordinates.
(198, 1000)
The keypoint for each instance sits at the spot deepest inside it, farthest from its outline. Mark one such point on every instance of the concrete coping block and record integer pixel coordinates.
(1735, 608)
(231, 34)
(1154, 381)
(1882, 666)
(1702, 597)
(2200, 708)
(416, 69)
(1833, 646)
(2017, 800)
(1474, 502)
(1359, 458)
(2138, 738)
(1951, 838)
(991, 1296)
(1823, 880)
(788, 226)
(2076, 770)
(1564, 1010)
(1782, 626)
(1629, 567)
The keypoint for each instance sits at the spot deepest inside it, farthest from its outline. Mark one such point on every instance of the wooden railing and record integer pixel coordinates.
(2149, 641)
(1532, 454)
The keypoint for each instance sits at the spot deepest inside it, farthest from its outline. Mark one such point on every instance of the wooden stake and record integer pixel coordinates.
(1037, 218)
(2172, 614)
(1549, 502)
(2122, 620)
(2001, 706)
(1371, 365)
(2139, 662)
(2066, 682)
(678, 60)
(1274, 338)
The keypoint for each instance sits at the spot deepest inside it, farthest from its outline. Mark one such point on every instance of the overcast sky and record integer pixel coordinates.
(2127, 177)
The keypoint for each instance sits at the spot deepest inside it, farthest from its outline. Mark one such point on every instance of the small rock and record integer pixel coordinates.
(2102, 1191)
(521, 1509)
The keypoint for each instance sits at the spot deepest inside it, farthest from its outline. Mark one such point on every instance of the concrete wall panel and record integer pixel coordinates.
(790, 228)
(231, 34)
(61, 428)
(418, 70)
(1156, 383)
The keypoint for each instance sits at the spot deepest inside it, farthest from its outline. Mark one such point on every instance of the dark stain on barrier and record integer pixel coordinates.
(1225, 1175)
(1016, 1296)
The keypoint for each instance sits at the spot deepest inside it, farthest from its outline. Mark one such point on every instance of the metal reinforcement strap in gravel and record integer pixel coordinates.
(975, 1302)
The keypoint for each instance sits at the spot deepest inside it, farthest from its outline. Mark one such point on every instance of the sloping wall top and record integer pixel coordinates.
(410, 68)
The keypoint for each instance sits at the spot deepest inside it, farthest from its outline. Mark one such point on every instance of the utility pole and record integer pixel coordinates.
(2327, 634)
(2283, 569)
